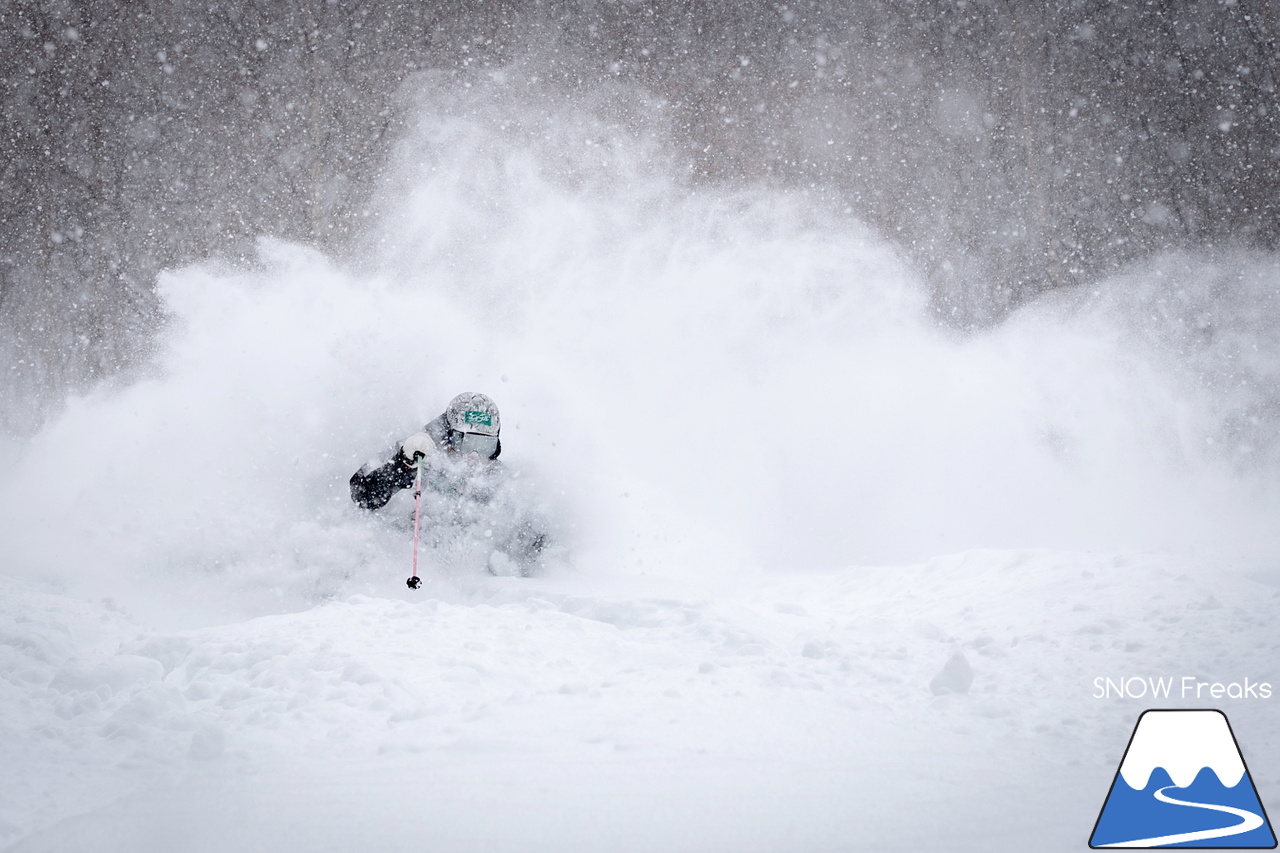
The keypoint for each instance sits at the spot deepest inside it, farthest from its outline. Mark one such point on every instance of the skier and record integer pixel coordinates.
(467, 429)
(466, 496)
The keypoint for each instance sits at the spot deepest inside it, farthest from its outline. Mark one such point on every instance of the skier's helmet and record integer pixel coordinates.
(474, 424)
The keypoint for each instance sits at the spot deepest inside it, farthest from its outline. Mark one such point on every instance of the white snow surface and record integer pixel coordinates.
(766, 713)
(786, 496)
(1183, 743)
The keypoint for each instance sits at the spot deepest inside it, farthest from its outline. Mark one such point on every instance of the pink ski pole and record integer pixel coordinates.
(414, 582)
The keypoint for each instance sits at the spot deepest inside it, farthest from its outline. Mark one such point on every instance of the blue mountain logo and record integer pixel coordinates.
(1183, 783)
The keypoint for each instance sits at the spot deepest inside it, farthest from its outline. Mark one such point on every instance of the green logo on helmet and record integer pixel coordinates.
(478, 418)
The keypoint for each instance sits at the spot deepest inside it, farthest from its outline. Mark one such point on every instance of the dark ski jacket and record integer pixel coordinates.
(374, 484)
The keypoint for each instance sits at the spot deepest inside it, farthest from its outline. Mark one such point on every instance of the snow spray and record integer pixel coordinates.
(710, 379)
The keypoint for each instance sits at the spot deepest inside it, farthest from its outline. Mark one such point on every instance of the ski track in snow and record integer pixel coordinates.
(784, 712)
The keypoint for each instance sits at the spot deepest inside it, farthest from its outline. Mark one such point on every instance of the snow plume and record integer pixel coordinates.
(704, 380)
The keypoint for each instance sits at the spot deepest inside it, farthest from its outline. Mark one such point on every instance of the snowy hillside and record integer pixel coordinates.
(749, 714)
(788, 498)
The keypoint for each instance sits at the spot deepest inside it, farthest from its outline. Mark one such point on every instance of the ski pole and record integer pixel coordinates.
(414, 581)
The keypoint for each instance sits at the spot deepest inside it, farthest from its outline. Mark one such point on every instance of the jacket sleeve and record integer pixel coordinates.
(372, 487)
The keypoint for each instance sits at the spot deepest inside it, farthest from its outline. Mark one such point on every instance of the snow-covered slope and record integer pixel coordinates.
(756, 443)
(760, 714)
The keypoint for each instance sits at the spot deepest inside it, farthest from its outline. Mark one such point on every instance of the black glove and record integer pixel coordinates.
(414, 582)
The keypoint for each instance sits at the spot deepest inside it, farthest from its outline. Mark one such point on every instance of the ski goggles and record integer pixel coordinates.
(474, 442)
